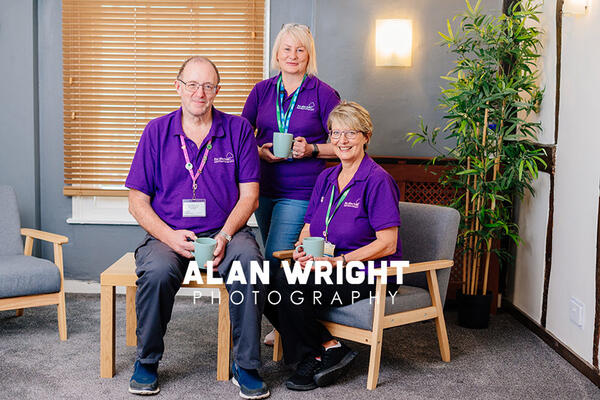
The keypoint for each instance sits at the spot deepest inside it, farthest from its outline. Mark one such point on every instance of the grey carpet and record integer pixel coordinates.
(504, 361)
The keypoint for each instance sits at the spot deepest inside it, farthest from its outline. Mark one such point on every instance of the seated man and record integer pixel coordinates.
(195, 174)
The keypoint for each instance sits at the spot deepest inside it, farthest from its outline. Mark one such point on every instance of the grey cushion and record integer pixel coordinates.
(428, 233)
(10, 224)
(26, 275)
(360, 314)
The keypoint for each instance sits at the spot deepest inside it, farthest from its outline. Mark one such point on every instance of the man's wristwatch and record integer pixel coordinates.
(226, 236)
(315, 151)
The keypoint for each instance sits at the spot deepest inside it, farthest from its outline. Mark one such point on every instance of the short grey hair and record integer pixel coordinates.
(198, 59)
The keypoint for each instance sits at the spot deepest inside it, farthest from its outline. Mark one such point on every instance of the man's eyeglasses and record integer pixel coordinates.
(192, 86)
(350, 135)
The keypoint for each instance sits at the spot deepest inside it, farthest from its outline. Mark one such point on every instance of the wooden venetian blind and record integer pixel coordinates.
(120, 59)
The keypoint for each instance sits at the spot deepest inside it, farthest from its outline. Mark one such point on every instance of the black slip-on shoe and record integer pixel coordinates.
(303, 379)
(333, 361)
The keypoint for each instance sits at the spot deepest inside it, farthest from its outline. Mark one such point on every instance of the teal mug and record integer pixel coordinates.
(313, 246)
(204, 248)
(282, 144)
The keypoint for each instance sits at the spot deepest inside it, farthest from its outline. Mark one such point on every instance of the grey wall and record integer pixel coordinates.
(91, 248)
(344, 31)
(18, 136)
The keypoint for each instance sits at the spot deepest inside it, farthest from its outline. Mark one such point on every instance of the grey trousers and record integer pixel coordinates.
(160, 272)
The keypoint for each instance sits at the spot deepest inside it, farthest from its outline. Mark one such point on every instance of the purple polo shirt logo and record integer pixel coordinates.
(228, 159)
(309, 107)
(350, 204)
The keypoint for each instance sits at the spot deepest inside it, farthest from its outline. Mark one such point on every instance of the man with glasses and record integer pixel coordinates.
(195, 174)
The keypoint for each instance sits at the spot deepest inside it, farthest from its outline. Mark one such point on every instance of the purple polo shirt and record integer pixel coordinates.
(158, 168)
(291, 179)
(370, 206)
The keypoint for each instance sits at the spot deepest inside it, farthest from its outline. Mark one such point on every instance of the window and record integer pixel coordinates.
(120, 59)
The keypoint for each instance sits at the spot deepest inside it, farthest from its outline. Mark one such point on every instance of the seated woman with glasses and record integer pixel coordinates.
(354, 208)
(294, 101)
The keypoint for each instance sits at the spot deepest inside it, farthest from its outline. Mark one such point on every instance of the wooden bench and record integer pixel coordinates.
(122, 273)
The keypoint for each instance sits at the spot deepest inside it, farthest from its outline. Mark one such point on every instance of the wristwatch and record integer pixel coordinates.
(315, 151)
(226, 236)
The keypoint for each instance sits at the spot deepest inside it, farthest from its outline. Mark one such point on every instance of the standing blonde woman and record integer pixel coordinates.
(297, 102)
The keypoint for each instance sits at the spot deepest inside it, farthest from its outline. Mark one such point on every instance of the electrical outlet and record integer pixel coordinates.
(576, 308)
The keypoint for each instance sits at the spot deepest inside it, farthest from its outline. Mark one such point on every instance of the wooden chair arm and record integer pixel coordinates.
(426, 266)
(47, 236)
(283, 254)
(421, 267)
(413, 268)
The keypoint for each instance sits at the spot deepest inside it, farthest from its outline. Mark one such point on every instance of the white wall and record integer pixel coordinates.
(527, 285)
(528, 275)
(576, 190)
(576, 194)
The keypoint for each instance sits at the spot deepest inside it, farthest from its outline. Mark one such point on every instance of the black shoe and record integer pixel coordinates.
(303, 379)
(332, 363)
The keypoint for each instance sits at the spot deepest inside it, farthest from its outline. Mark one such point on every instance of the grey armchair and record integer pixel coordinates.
(428, 236)
(27, 281)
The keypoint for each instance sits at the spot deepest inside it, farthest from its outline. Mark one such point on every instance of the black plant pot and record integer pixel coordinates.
(474, 310)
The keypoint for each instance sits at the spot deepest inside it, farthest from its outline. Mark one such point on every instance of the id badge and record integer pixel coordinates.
(194, 208)
(329, 249)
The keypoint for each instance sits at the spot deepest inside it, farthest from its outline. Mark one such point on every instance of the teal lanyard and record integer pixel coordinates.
(283, 120)
(330, 214)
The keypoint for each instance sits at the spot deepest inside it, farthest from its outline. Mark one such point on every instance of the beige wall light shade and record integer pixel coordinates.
(393, 43)
(576, 7)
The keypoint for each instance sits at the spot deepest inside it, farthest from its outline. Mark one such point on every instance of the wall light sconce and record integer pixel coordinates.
(576, 7)
(393, 39)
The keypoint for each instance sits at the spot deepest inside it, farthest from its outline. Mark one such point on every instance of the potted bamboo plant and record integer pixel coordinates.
(488, 103)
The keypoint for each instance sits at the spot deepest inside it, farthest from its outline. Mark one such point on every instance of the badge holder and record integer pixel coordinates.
(329, 249)
(194, 207)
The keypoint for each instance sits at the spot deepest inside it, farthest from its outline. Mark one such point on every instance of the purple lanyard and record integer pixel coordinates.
(189, 166)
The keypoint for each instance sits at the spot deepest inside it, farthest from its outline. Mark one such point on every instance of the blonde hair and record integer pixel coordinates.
(300, 33)
(352, 115)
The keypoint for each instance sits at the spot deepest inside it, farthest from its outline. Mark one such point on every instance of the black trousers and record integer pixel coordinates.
(295, 317)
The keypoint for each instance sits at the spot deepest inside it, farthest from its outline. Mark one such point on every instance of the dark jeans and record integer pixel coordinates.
(160, 273)
(301, 332)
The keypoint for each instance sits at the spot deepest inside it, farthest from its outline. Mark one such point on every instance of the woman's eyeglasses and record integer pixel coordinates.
(350, 135)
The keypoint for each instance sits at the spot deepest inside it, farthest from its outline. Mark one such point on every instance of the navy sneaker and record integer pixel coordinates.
(144, 380)
(333, 361)
(250, 383)
(304, 378)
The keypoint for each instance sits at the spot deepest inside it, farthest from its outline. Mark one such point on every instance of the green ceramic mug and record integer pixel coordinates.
(312, 246)
(204, 248)
(282, 144)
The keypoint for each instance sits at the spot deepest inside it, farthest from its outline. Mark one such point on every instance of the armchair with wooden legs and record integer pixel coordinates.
(428, 235)
(27, 281)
